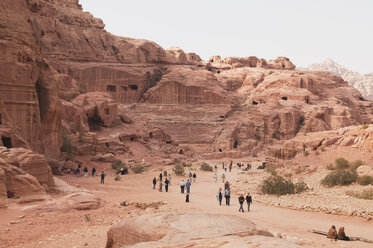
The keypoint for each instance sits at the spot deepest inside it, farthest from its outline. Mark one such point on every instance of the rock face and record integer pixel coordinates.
(363, 83)
(24, 172)
(190, 230)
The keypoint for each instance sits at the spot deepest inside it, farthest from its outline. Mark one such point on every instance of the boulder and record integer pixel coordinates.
(365, 170)
(189, 230)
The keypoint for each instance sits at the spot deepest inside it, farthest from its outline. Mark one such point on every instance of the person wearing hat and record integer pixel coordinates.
(241, 200)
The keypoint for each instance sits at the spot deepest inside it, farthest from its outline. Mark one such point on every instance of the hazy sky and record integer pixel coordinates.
(305, 31)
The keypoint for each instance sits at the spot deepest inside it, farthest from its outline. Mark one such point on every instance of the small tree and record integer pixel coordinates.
(206, 167)
(277, 185)
(138, 169)
(178, 170)
(341, 163)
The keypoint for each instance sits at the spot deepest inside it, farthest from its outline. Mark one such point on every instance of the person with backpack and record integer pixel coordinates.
(241, 200)
(102, 177)
(160, 177)
(154, 182)
(248, 201)
(166, 182)
(227, 196)
(219, 195)
(182, 186)
(93, 171)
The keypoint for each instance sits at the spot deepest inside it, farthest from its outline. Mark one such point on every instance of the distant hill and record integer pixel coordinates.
(363, 83)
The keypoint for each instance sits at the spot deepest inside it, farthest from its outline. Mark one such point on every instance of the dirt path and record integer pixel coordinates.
(70, 229)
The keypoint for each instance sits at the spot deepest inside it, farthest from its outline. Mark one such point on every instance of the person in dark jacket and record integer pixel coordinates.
(166, 182)
(160, 177)
(241, 200)
(154, 182)
(102, 177)
(227, 195)
(85, 171)
(194, 177)
(342, 235)
(220, 196)
(248, 201)
(187, 197)
(182, 186)
(93, 171)
(332, 233)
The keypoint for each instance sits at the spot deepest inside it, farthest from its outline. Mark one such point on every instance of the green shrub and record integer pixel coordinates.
(366, 194)
(187, 164)
(354, 165)
(341, 164)
(83, 88)
(306, 153)
(117, 165)
(177, 161)
(178, 170)
(339, 177)
(277, 185)
(364, 126)
(67, 146)
(206, 167)
(117, 178)
(322, 148)
(300, 187)
(138, 169)
(365, 180)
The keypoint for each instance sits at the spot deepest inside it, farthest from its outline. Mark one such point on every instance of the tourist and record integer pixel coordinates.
(226, 185)
(85, 171)
(78, 171)
(342, 235)
(194, 177)
(166, 182)
(248, 201)
(154, 182)
(160, 186)
(187, 197)
(223, 177)
(227, 196)
(230, 167)
(241, 200)
(219, 195)
(216, 168)
(160, 177)
(182, 186)
(93, 171)
(190, 175)
(188, 184)
(215, 177)
(225, 168)
(332, 233)
(122, 171)
(102, 177)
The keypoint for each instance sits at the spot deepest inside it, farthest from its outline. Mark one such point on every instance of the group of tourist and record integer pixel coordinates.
(333, 234)
(167, 181)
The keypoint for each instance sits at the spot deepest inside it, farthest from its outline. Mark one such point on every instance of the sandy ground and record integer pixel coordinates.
(72, 229)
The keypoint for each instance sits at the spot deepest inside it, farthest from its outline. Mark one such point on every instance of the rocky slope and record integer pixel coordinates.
(363, 83)
(63, 73)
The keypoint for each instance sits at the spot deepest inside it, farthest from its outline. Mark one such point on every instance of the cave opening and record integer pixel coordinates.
(132, 139)
(181, 151)
(0, 119)
(7, 142)
(107, 145)
(133, 87)
(151, 135)
(285, 98)
(43, 99)
(111, 88)
(235, 145)
(255, 103)
(220, 150)
(124, 88)
(107, 111)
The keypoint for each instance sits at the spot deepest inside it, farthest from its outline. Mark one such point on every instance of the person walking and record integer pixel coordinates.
(78, 171)
(187, 197)
(227, 196)
(215, 177)
(194, 177)
(93, 171)
(230, 167)
(160, 186)
(154, 182)
(223, 177)
(166, 182)
(102, 177)
(188, 184)
(219, 195)
(182, 186)
(241, 200)
(248, 201)
(216, 168)
(225, 168)
(160, 177)
(85, 171)
(190, 176)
